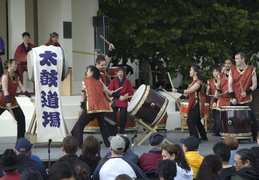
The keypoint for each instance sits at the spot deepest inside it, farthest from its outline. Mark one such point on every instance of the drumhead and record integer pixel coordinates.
(235, 107)
(136, 98)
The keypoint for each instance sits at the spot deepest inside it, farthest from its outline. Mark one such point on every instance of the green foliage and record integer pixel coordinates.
(180, 33)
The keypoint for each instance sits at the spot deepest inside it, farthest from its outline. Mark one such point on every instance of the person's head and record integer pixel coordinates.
(166, 169)
(240, 58)
(117, 145)
(92, 71)
(228, 63)
(222, 150)
(123, 177)
(156, 141)
(245, 158)
(120, 72)
(53, 38)
(101, 63)
(26, 37)
(23, 146)
(210, 168)
(70, 145)
(231, 141)
(195, 71)
(61, 171)
(9, 161)
(127, 142)
(91, 147)
(31, 173)
(190, 143)
(10, 64)
(169, 152)
(215, 72)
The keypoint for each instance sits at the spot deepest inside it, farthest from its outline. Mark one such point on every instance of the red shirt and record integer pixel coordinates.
(213, 88)
(126, 88)
(11, 175)
(22, 49)
(149, 161)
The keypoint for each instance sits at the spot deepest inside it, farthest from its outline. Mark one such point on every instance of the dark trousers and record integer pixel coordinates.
(194, 123)
(83, 120)
(216, 120)
(254, 123)
(20, 118)
(123, 117)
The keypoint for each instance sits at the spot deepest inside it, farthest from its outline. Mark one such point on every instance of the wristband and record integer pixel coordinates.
(232, 95)
(26, 93)
(7, 99)
(182, 97)
(249, 91)
(109, 53)
(219, 90)
(215, 100)
(115, 95)
(180, 91)
(82, 105)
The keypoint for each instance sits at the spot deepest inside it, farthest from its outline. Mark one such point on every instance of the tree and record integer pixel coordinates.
(180, 33)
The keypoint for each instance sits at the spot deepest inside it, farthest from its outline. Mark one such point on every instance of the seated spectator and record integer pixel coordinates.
(116, 165)
(70, 147)
(190, 147)
(31, 173)
(23, 149)
(174, 152)
(166, 169)
(222, 150)
(256, 149)
(127, 153)
(91, 152)
(149, 161)
(210, 168)
(62, 170)
(232, 143)
(123, 177)
(246, 165)
(9, 164)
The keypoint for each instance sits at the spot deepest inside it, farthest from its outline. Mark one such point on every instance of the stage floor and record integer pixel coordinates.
(174, 136)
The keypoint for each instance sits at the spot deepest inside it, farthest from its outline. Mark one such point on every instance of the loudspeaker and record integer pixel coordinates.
(67, 30)
(101, 27)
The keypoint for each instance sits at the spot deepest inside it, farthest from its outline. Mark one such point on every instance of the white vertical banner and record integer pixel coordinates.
(48, 64)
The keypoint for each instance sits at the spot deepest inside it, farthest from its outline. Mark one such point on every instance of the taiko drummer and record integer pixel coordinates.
(196, 95)
(242, 81)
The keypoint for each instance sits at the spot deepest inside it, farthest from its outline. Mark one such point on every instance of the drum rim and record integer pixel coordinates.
(141, 101)
(161, 113)
(235, 108)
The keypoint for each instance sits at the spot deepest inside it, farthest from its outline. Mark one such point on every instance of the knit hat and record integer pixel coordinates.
(117, 143)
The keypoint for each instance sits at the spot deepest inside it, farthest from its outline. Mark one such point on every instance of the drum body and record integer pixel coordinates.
(148, 105)
(112, 71)
(235, 121)
(184, 108)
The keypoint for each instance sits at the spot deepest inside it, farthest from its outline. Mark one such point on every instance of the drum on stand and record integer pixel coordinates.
(148, 105)
(235, 121)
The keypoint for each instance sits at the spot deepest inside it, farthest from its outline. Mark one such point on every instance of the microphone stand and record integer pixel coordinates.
(132, 142)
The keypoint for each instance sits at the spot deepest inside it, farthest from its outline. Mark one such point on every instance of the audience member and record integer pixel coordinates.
(190, 147)
(127, 153)
(175, 152)
(123, 177)
(232, 143)
(246, 165)
(166, 169)
(91, 152)
(149, 161)
(116, 165)
(256, 149)
(62, 170)
(23, 149)
(210, 168)
(31, 173)
(53, 40)
(70, 147)
(9, 164)
(223, 151)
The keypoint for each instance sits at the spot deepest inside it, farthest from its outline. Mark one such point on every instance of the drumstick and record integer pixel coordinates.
(105, 40)
(128, 97)
(118, 89)
(170, 79)
(128, 74)
(241, 87)
(172, 97)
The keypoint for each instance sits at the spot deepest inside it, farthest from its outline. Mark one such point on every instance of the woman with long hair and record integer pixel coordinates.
(53, 39)
(196, 106)
(174, 152)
